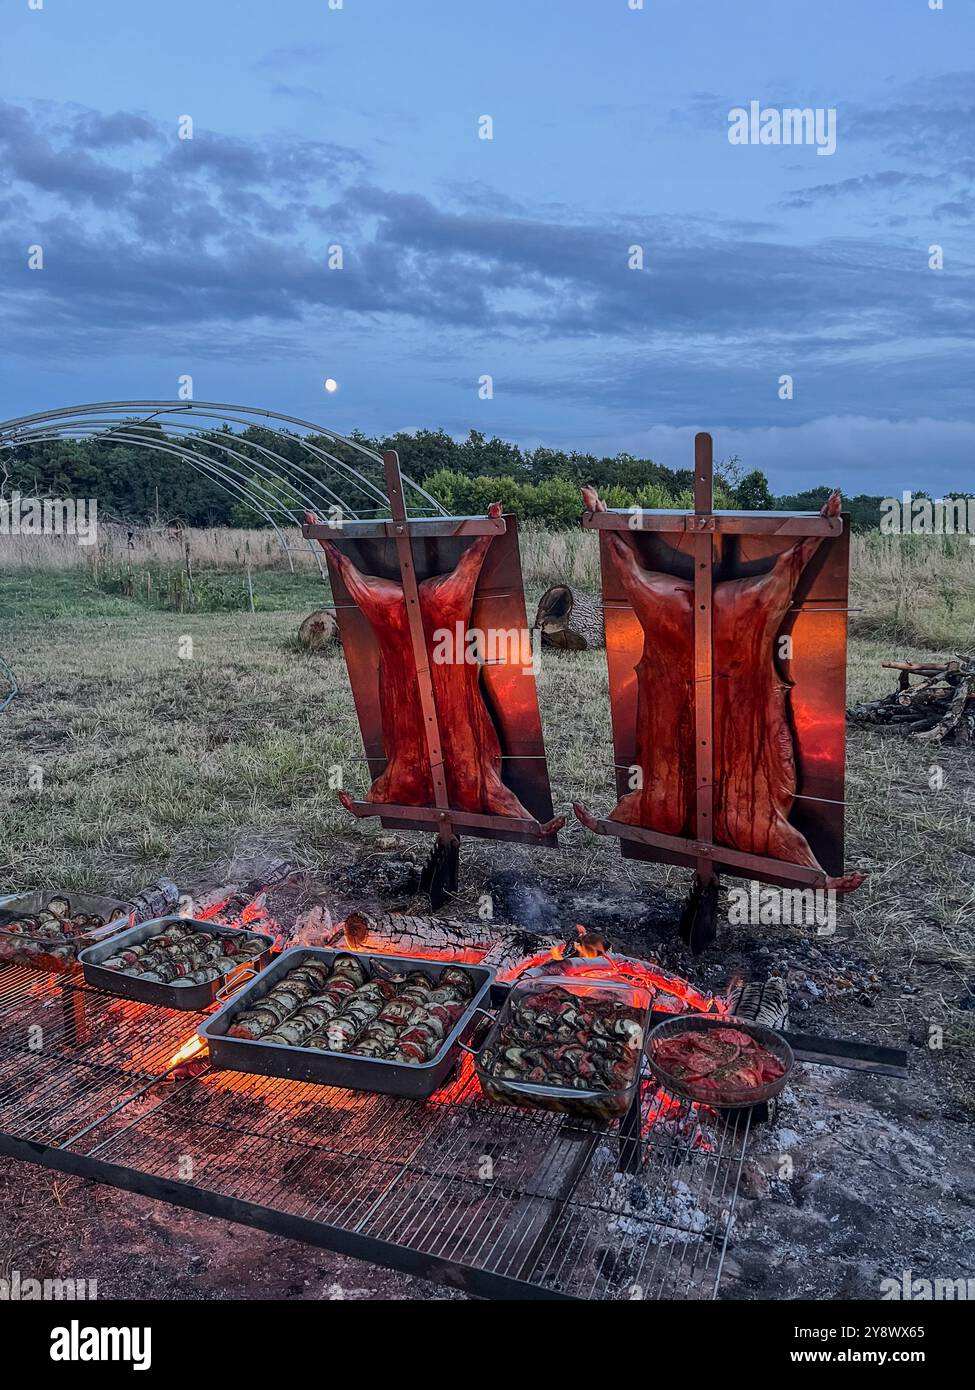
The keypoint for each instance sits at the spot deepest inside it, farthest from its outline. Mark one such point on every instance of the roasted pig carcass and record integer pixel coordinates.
(471, 748)
(755, 780)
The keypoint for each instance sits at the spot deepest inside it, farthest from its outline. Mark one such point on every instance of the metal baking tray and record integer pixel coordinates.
(416, 1080)
(187, 997)
(14, 906)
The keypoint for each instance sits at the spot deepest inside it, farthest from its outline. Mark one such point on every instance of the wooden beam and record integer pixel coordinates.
(703, 640)
(421, 658)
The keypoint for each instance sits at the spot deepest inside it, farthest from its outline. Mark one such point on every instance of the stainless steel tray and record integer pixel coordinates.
(416, 1080)
(14, 906)
(188, 997)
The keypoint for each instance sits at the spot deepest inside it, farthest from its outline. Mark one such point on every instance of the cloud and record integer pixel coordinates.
(295, 91)
(886, 181)
(94, 131)
(223, 239)
(857, 453)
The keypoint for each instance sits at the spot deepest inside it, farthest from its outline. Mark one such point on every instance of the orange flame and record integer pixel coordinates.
(193, 1045)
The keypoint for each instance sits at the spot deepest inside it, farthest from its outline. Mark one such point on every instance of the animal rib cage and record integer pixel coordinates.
(499, 1201)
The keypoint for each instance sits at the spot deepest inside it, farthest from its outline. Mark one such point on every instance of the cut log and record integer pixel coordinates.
(570, 618)
(319, 630)
(765, 1002)
(401, 934)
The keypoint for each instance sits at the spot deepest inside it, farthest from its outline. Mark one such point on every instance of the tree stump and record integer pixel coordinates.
(570, 619)
(319, 630)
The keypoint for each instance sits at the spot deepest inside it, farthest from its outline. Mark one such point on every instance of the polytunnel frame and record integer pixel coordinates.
(118, 424)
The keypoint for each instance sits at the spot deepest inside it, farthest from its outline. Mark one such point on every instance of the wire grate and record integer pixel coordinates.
(493, 1198)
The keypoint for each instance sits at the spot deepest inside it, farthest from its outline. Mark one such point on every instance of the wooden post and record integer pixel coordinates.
(703, 675)
(431, 726)
(189, 575)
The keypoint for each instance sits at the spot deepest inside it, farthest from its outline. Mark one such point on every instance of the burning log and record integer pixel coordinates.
(244, 905)
(941, 708)
(399, 934)
(570, 619)
(319, 630)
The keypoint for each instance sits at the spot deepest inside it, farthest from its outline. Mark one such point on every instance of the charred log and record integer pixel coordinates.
(448, 937)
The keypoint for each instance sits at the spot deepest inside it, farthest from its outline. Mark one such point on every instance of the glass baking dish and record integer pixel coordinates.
(46, 930)
(567, 1043)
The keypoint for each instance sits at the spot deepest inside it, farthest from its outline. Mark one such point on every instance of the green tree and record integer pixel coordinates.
(754, 493)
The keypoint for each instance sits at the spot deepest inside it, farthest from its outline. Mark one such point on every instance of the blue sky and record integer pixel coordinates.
(508, 257)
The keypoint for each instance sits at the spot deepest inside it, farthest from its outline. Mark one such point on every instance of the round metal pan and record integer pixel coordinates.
(737, 1098)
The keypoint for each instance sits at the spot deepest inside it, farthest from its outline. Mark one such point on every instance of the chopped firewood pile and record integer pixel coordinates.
(938, 709)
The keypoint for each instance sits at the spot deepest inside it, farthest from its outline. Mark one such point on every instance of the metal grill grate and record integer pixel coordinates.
(496, 1199)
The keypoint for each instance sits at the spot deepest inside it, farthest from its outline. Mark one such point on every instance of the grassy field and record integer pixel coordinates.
(157, 761)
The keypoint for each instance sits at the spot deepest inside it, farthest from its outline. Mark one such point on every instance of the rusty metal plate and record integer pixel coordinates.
(817, 623)
(508, 686)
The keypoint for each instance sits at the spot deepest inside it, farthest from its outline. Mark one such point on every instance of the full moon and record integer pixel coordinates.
(331, 384)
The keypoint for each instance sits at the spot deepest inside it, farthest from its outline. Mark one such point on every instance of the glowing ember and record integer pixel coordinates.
(237, 911)
(671, 993)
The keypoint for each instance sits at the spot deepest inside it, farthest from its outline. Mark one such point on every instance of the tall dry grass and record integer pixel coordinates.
(216, 548)
(916, 591)
(910, 590)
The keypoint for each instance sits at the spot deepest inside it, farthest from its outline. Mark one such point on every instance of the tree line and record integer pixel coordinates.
(153, 483)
